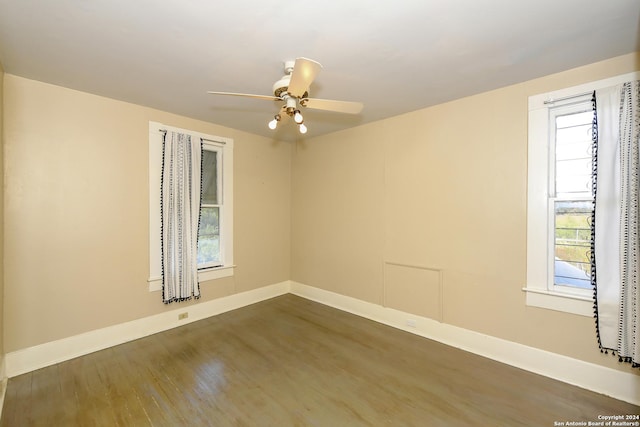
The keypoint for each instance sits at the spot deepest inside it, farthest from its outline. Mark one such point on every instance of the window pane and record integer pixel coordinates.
(579, 133)
(209, 236)
(210, 177)
(576, 119)
(573, 176)
(572, 243)
(568, 147)
(573, 158)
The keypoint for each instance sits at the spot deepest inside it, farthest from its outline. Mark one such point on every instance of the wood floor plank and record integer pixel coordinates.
(94, 407)
(132, 359)
(68, 404)
(119, 391)
(45, 393)
(292, 362)
(17, 399)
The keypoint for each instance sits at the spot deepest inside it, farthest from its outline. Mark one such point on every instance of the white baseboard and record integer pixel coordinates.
(617, 384)
(32, 358)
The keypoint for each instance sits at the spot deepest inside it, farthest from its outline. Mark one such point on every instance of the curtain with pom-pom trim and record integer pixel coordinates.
(180, 215)
(617, 220)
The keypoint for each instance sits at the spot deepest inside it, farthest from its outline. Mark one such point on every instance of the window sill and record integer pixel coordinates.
(155, 283)
(568, 303)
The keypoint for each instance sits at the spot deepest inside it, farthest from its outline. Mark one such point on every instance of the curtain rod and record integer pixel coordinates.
(564, 98)
(201, 139)
(211, 140)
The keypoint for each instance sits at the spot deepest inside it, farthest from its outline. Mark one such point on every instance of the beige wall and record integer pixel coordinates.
(1, 217)
(76, 212)
(442, 188)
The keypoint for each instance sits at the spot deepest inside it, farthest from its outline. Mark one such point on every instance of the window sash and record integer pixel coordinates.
(578, 247)
(569, 181)
(218, 259)
(211, 240)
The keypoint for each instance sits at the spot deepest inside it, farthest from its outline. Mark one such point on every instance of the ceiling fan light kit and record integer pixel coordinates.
(274, 123)
(293, 89)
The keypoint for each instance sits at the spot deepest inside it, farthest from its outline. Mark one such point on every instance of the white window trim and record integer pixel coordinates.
(538, 291)
(226, 225)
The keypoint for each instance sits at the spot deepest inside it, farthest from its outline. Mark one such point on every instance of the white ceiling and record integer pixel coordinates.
(395, 57)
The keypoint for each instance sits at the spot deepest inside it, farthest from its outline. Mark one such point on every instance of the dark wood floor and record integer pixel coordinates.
(292, 362)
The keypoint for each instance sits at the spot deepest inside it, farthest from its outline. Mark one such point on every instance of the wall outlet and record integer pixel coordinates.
(411, 323)
(183, 316)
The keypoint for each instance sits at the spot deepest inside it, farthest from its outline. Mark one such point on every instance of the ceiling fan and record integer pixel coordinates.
(293, 90)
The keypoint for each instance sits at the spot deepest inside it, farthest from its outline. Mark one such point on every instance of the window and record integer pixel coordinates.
(559, 198)
(209, 228)
(570, 195)
(215, 232)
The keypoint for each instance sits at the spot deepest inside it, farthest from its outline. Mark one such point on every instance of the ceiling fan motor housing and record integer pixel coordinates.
(281, 86)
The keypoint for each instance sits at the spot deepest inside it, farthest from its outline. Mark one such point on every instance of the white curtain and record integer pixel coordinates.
(181, 169)
(617, 219)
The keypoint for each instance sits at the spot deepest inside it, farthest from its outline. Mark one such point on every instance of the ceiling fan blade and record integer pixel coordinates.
(331, 105)
(304, 71)
(247, 95)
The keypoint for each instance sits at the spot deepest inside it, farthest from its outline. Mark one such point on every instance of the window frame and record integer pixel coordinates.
(224, 146)
(539, 293)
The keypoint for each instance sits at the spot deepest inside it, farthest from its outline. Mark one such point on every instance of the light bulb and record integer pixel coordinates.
(297, 117)
(274, 123)
(302, 128)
